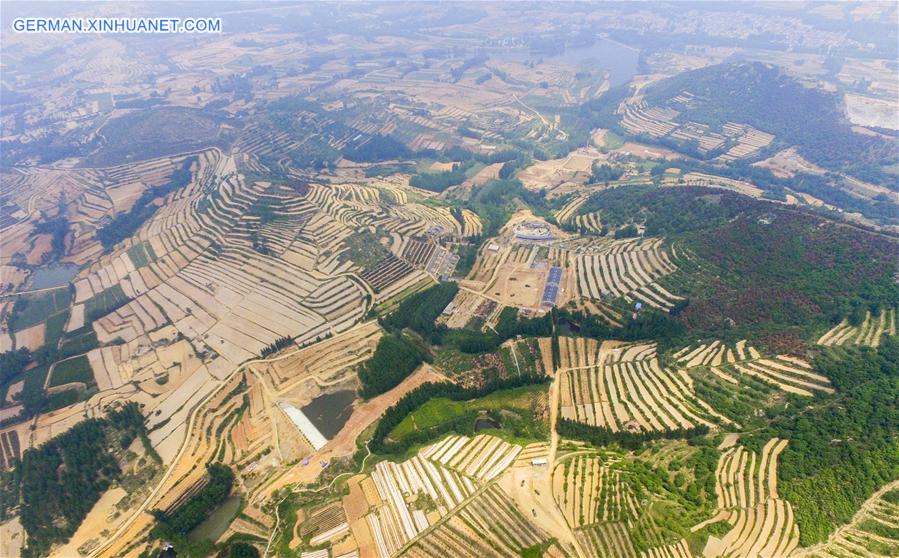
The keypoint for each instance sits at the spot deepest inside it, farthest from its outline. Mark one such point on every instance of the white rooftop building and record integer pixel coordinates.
(315, 438)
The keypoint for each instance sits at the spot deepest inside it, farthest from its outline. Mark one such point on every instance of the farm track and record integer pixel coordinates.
(848, 531)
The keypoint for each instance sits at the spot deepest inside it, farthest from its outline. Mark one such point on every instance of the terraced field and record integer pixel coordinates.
(589, 491)
(625, 389)
(226, 267)
(389, 509)
(629, 269)
(482, 457)
(746, 490)
(788, 373)
(869, 332)
(487, 525)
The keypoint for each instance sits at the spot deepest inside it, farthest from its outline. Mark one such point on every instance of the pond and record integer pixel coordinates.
(485, 423)
(329, 412)
(620, 60)
(568, 328)
(55, 275)
(214, 525)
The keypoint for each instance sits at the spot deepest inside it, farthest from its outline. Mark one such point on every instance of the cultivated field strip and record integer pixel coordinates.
(404, 499)
(622, 387)
(326, 358)
(588, 491)
(870, 332)
(606, 540)
(488, 525)
(627, 269)
(589, 222)
(746, 489)
(395, 523)
(581, 352)
(483, 457)
(788, 373)
(678, 549)
(324, 524)
(735, 140)
(632, 396)
(357, 205)
(206, 268)
(93, 196)
(567, 211)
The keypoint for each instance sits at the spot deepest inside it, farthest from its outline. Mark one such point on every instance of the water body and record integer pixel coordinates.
(330, 412)
(214, 525)
(55, 275)
(620, 60)
(485, 423)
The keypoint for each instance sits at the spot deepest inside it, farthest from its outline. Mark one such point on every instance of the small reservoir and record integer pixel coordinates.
(55, 275)
(216, 524)
(329, 412)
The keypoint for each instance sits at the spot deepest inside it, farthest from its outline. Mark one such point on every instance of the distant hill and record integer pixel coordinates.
(766, 98)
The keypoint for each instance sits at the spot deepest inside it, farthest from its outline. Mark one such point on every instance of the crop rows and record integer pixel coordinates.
(630, 273)
(418, 252)
(790, 374)
(869, 332)
(324, 524)
(606, 540)
(750, 141)
(589, 222)
(570, 208)
(356, 205)
(488, 526)
(715, 353)
(326, 357)
(678, 549)
(386, 272)
(588, 491)
(746, 489)
(482, 457)
(395, 521)
(635, 396)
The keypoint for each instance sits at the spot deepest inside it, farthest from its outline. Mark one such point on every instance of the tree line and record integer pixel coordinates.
(600, 436)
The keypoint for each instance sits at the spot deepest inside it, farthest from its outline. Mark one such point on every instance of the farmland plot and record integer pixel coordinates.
(736, 140)
(467, 306)
(568, 210)
(92, 195)
(626, 389)
(599, 502)
(398, 501)
(589, 491)
(790, 374)
(397, 516)
(325, 360)
(482, 457)
(629, 269)
(488, 525)
(213, 268)
(869, 332)
(746, 490)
